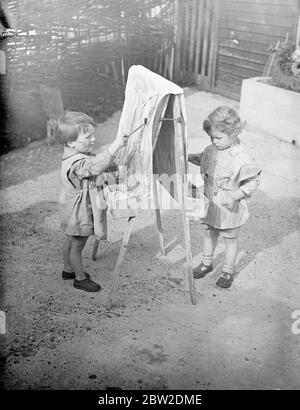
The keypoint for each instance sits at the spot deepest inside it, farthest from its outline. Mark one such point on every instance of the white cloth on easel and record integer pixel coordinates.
(146, 100)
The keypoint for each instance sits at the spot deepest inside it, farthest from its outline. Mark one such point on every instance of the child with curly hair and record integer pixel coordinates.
(230, 177)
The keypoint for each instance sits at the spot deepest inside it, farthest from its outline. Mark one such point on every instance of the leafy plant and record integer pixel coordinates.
(283, 68)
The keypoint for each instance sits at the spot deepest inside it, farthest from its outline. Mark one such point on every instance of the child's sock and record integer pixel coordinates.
(228, 268)
(207, 259)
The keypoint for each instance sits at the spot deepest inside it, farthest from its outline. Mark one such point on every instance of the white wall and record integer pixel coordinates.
(271, 109)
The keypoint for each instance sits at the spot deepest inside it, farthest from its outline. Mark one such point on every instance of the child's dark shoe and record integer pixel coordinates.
(201, 271)
(225, 280)
(70, 275)
(87, 284)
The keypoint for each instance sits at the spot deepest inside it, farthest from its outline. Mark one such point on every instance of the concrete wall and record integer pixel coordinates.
(271, 109)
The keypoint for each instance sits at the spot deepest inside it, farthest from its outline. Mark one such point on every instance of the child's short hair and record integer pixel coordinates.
(71, 124)
(225, 119)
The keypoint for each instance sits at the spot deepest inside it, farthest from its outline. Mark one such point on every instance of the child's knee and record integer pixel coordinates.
(210, 232)
(230, 240)
(68, 240)
(230, 234)
(78, 242)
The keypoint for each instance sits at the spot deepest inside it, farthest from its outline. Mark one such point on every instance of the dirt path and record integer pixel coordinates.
(58, 337)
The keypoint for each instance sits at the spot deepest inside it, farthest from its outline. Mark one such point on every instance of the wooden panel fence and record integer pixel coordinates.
(221, 42)
(247, 28)
(196, 40)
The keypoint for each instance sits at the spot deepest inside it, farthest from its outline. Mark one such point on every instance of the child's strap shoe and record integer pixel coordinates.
(201, 271)
(87, 284)
(225, 280)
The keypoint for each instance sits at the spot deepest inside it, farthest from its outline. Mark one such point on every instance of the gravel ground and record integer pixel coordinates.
(154, 338)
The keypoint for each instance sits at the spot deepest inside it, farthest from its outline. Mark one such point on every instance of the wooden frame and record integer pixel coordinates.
(125, 242)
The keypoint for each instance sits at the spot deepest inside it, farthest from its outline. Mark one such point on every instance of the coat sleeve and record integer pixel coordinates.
(249, 178)
(91, 166)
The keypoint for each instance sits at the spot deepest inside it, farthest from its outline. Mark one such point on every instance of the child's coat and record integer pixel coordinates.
(79, 207)
(225, 171)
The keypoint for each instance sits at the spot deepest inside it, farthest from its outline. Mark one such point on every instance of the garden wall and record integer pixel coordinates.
(271, 109)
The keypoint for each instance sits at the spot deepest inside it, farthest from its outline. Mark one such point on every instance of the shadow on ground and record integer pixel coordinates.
(154, 338)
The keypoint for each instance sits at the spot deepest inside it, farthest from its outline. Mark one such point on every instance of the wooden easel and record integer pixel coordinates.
(181, 169)
(125, 241)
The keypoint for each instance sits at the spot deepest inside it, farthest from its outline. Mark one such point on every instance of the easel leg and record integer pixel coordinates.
(103, 224)
(118, 267)
(95, 249)
(189, 264)
(182, 168)
(158, 218)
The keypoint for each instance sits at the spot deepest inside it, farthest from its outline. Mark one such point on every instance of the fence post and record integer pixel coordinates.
(214, 43)
(179, 18)
(298, 28)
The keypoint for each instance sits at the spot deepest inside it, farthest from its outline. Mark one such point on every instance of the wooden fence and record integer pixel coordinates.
(247, 28)
(221, 42)
(196, 40)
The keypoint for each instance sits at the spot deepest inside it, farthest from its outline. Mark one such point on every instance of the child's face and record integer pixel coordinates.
(221, 140)
(85, 141)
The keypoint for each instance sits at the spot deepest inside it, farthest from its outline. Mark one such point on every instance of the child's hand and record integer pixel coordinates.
(118, 143)
(123, 140)
(195, 159)
(229, 201)
(231, 198)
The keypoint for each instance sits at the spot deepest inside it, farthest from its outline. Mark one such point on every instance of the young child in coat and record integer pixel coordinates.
(230, 177)
(79, 216)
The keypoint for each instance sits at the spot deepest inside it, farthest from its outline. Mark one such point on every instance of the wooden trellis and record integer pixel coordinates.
(83, 48)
